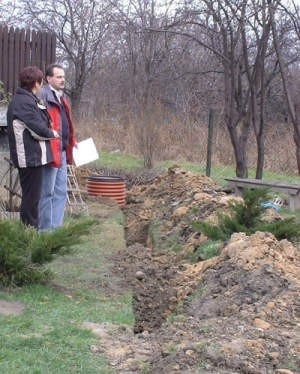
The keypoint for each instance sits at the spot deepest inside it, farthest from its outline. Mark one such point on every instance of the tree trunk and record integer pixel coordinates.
(260, 157)
(239, 147)
(75, 98)
(297, 142)
(234, 117)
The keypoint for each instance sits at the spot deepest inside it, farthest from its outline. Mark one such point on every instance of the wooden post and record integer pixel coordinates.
(209, 142)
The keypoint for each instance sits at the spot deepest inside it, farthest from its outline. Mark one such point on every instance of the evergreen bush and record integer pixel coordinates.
(247, 217)
(23, 250)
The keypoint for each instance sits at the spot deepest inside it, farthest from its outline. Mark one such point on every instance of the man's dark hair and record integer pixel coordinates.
(50, 69)
(29, 76)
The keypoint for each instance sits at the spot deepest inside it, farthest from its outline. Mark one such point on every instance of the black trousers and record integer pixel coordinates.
(31, 183)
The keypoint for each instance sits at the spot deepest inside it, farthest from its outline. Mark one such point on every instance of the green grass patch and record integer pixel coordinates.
(47, 337)
(208, 250)
(220, 172)
(173, 317)
(162, 242)
(172, 348)
(88, 270)
(285, 212)
(200, 364)
(198, 292)
(117, 160)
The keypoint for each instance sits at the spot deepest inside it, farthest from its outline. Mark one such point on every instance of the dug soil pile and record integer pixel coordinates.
(238, 312)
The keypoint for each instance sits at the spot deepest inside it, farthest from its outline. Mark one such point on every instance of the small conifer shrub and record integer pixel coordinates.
(23, 250)
(247, 217)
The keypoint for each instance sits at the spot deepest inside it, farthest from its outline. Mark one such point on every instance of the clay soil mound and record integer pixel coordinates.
(238, 312)
(244, 316)
(169, 204)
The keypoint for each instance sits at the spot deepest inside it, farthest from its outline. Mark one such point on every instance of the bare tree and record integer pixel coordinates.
(216, 27)
(288, 88)
(81, 27)
(147, 58)
(255, 48)
(238, 35)
(7, 12)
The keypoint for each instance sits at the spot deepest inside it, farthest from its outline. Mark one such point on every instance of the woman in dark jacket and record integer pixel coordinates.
(29, 132)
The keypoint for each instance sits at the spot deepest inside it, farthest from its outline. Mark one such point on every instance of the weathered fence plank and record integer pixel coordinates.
(34, 41)
(1, 51)
(4, 57)
(20, 48)
(11, 41)
(16, 57)
(27, 48)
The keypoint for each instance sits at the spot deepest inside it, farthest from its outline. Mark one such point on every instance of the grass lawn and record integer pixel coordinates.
(218, 172)
(47, 337)
(117, 160)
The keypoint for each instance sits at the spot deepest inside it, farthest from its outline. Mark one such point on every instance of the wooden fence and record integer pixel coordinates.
(20, 48)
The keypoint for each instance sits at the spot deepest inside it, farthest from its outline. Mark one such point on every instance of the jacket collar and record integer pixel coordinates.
(22, 91)
(49, 95)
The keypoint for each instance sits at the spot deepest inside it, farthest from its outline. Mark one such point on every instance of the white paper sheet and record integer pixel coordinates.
(85, 152)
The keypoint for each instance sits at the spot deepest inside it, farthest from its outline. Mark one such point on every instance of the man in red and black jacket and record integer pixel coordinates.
(54, 186)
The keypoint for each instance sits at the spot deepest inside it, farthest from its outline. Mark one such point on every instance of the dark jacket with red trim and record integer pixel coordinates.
(50, 101)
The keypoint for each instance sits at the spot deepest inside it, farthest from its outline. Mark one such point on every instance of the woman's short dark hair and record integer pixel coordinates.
(29, 76)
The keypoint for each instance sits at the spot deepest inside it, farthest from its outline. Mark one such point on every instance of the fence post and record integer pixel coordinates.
(209, 142)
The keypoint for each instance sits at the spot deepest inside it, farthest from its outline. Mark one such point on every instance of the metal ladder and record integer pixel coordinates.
(75, 203)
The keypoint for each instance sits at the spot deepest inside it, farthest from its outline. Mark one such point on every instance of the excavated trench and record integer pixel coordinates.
(153, 270)
(236, 313)
(150, 277)
(149, 273)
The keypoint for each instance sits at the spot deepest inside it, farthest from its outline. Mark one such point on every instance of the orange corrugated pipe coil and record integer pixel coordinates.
(111, 187)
